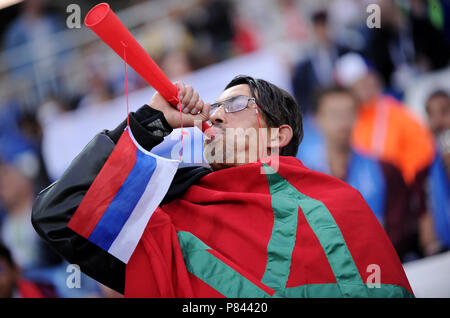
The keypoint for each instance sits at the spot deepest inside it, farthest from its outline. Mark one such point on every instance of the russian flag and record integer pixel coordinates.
(119, 203)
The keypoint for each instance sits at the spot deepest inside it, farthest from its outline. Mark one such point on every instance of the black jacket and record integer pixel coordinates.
(55, 205)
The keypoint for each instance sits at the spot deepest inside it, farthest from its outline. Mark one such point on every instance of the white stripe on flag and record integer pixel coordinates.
(128, 238)
(130, 234)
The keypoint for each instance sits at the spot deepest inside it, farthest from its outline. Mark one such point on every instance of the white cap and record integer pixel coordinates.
(350, 68)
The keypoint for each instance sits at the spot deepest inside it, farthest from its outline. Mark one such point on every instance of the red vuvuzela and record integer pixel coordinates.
(102, 20)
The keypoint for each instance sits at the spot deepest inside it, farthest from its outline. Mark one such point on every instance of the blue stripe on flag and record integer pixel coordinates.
(124, 202)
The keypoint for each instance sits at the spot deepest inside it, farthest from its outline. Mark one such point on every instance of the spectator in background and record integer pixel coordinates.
(21, 132)
(438, 183)
(32, 130)
(30, 50)
(349, 22)
(443, 18)
(18, 168)
(100, 91)
(13, 285)
(99, 80)
(309, 76)
(432, 46)
(178, 50)
(380, 183)
(247, 37)
(391, 48)
(384, 128)
(438, 111)
(211, 25)
(175, 63)
(316, 70)
(407, 44)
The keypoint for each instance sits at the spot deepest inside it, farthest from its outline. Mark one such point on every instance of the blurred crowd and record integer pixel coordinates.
(375, 102)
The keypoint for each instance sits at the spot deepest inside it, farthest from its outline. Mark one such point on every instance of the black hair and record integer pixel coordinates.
(6, 254)
(320, 17)
(321, 93)
(278, 107)
(438, 93)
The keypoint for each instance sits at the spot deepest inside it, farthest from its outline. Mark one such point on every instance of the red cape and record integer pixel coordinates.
(242, 233)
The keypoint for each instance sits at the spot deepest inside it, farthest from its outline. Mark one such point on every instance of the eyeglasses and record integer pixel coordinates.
(239, 103)
(232, 105)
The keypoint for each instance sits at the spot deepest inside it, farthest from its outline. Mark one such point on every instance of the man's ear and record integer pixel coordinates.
(280, 137)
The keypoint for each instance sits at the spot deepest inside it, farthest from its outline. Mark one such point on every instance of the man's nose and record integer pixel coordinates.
(219, 116)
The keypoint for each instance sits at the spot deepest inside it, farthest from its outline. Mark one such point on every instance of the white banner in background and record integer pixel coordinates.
(430, 277)
(67, 135)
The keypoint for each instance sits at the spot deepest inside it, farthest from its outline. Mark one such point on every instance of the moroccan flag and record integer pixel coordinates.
(292, 232)
(119, 203)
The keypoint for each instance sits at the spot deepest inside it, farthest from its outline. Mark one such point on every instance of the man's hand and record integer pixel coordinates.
(193, 108)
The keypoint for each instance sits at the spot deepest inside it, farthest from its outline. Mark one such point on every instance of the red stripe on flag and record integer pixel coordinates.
(105, 187)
